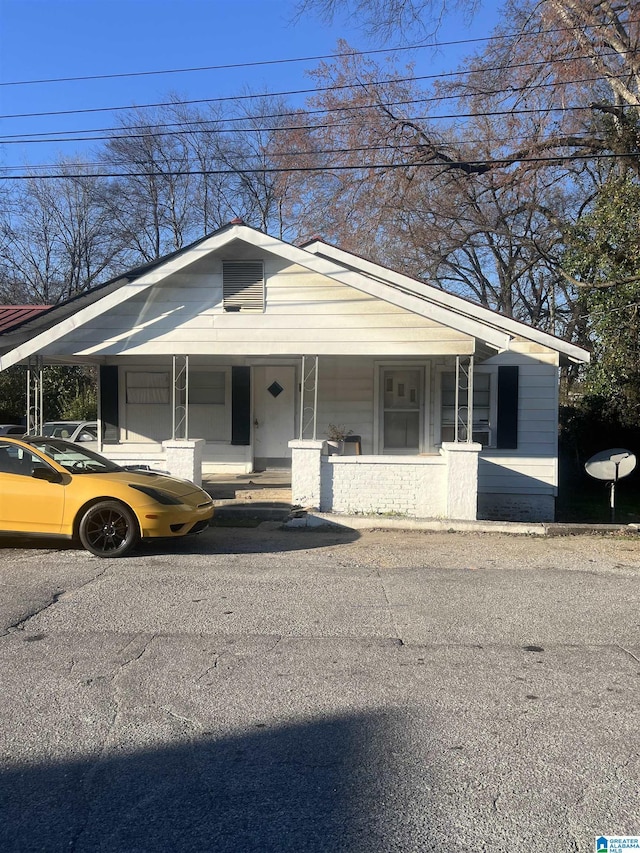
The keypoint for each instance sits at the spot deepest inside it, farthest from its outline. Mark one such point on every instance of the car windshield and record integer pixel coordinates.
(59, 430)
(76, 459)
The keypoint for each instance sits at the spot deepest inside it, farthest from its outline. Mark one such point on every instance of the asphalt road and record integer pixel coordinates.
(305, 691)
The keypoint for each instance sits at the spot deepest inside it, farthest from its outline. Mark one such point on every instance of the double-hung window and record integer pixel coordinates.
(495, 398)
(482, 408)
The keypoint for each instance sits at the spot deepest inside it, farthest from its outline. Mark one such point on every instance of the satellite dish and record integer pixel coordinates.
(611, 465)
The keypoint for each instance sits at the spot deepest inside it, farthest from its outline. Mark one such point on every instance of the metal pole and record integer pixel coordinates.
(612, 496)
(180, 397)
(315, 401)
(308, 413)
(41, 406)
(173, 400)
(186, 397)
(27, 392)
(457, 400)
(612, 501)
(470, 401)
(302, 383)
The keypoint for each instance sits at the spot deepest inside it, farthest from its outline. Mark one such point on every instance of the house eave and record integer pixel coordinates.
(457, 304)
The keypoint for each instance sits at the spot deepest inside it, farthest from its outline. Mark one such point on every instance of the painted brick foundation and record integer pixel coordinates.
(384, 485)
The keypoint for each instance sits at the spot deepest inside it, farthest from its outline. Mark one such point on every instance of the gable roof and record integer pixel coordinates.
(373, 279)
(457, 304)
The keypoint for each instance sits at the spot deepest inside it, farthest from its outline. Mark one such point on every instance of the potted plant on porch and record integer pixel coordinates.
(336, 436)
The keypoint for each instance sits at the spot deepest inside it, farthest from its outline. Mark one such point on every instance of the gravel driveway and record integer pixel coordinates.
(264, 690)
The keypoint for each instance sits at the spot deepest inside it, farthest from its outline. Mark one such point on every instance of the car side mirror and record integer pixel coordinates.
(43, 472)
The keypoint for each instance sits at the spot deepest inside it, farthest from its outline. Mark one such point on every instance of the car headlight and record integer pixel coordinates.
(156, 495)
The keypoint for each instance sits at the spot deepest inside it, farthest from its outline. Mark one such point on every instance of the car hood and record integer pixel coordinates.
(170, 485)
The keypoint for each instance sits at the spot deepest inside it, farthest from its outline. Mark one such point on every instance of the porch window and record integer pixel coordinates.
(495, 407)
(207, 387)
(482, 420)
(209, 406)
(243, 285)
(147, 388)
(401, 409)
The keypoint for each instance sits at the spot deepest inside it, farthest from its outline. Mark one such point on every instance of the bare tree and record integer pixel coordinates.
(386, 19)
(152, 199)
(412, 194)
(56, 237)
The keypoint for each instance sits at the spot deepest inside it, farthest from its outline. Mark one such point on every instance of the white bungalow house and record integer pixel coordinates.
(239, 351)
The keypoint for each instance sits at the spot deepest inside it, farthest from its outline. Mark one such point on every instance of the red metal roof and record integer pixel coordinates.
(14, 315)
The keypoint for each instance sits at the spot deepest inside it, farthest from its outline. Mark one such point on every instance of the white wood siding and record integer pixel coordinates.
(346, 397)
(533, 467)
(306, 313)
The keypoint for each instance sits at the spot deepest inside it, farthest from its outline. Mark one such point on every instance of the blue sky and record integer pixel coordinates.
(44, 39)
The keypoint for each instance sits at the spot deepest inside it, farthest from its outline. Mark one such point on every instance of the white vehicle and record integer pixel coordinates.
(71, 430)
(12, 429)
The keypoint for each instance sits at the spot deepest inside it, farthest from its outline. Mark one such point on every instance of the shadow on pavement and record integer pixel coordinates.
(315, 786)
(215, 540)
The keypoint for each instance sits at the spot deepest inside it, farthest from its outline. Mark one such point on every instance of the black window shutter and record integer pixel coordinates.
(507, 430)
(109, 402)
(240, 405)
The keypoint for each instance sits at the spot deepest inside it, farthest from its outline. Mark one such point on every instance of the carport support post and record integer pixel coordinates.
(462, 479)
(35, 395)
(306, 468)
(184, 459)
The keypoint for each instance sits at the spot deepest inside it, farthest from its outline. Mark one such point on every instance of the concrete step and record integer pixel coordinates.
(256, 497)
(246, 496)
(257, 511)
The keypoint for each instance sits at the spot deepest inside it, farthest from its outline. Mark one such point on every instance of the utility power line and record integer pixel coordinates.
(449, 164)
(316, 90)
(405, 147)
(281, 61)
(187, 125)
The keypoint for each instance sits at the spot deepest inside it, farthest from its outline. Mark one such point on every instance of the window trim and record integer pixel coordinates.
(378, 404)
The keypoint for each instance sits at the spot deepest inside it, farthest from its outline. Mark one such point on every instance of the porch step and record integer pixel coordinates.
(243, 497)
(226, 511)
(252, 498)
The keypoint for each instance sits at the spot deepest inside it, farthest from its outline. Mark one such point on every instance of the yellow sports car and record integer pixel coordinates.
(52, 487)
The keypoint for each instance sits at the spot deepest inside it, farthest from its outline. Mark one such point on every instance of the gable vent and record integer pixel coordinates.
(243, 285)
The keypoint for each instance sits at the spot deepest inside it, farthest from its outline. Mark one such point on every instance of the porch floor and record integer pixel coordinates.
(265, 489)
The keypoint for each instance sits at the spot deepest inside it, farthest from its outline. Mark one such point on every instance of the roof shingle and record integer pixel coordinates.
(14, 315)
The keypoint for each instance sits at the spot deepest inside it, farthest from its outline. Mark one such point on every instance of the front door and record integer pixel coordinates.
(273, 415)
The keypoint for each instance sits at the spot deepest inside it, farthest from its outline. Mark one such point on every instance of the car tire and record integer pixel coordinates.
(109, 529)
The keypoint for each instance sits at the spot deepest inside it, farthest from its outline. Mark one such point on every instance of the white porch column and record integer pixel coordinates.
(184, 458)
(461, 479)
(306, 460)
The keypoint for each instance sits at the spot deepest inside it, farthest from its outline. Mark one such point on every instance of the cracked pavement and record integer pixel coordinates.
(264, 690)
